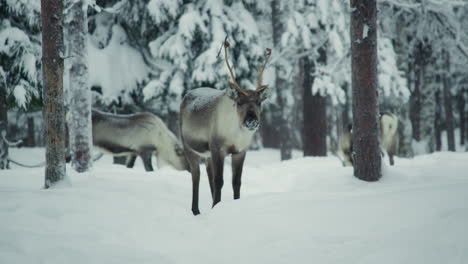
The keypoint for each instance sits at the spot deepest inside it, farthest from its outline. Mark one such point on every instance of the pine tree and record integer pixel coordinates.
(52, 46)
(449, 122)
(79, 89)
(19, 61)
(366, 156)
(317, 32)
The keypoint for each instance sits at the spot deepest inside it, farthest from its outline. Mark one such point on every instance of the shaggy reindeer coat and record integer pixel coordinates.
(137, 134)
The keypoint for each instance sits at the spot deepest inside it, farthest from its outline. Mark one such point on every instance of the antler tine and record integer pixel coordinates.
(260, 86)
(234, 82)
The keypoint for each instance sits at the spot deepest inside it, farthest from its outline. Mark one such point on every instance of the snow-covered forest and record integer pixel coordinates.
(84, 75)
(145, 55)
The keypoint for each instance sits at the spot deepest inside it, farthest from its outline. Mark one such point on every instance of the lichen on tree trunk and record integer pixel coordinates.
(79, 88)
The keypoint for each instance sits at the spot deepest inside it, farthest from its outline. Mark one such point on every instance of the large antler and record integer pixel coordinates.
(234, 82)
(260, 86)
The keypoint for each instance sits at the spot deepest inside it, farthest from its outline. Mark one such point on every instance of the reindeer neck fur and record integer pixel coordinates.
(209, 116)
(232, 131)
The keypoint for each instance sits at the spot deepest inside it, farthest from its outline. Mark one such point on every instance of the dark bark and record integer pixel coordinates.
(314, 111)
(79, 90)
(449, 123)
(367, 158)
(3, 128)
(415, 106)
(438, 123)
(30, 140)
(461, 111)
(52, 66)
(285, 121)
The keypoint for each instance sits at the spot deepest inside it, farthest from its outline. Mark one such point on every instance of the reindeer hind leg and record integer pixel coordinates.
(131, 160)
(209, 172)
(194, 162)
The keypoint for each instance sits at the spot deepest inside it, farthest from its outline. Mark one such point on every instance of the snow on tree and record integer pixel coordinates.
(316, 30)
(190, 38)
(19, 62)
(424, 29)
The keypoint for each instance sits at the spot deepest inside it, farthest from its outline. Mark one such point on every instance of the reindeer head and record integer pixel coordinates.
(247, 102)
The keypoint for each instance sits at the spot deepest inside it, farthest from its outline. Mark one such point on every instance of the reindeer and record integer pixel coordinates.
(140, 134)
(388, 139)
(217, 123)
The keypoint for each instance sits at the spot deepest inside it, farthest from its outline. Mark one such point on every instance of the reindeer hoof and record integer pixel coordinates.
(195, 211)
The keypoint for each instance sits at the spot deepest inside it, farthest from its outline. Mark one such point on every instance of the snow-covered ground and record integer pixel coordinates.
(307, 210)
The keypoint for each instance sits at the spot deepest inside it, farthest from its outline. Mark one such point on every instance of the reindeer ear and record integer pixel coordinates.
(264, 92)
(232, 92)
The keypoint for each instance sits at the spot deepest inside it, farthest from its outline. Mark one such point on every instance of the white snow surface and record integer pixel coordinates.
(300, 211)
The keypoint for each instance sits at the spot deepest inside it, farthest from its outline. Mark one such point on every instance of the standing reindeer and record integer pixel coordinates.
(217, 123)
(388, 139)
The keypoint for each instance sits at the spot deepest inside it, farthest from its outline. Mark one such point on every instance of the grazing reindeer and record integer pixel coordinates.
(217, 123)
(388, 139)
(141, 134)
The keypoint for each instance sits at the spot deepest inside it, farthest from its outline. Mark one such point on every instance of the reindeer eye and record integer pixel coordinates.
(239, 104)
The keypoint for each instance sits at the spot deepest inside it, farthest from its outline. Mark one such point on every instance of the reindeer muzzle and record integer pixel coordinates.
(251, 121)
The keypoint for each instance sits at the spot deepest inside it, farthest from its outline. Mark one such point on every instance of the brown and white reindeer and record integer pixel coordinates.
(388, 139)
(215, 124)
(140, 134)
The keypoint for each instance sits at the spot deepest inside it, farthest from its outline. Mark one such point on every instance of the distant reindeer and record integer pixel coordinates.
(140, 134)
(217, 123)
(388, 139)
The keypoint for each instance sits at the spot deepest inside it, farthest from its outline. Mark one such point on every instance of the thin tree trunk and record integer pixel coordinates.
(315, 113)
(3, 128)
(282, 88)
(405, 129)
(461, 110)
(80, 90)
(449, 123)
(367, 159)
(31, 140)
(437, 123)
(52, 66)
(415, 105)
(346, 108)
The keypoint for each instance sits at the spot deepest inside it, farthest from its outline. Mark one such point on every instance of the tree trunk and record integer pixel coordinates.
(461, 110)
(366, 157)
(405, 129)
(415, 105)
(52, 66)
(3, 128)
(437, 123)
(346, 108)
(315, 113)
(31, 139)
(449, 123)
(284, 94)
(79, 90)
